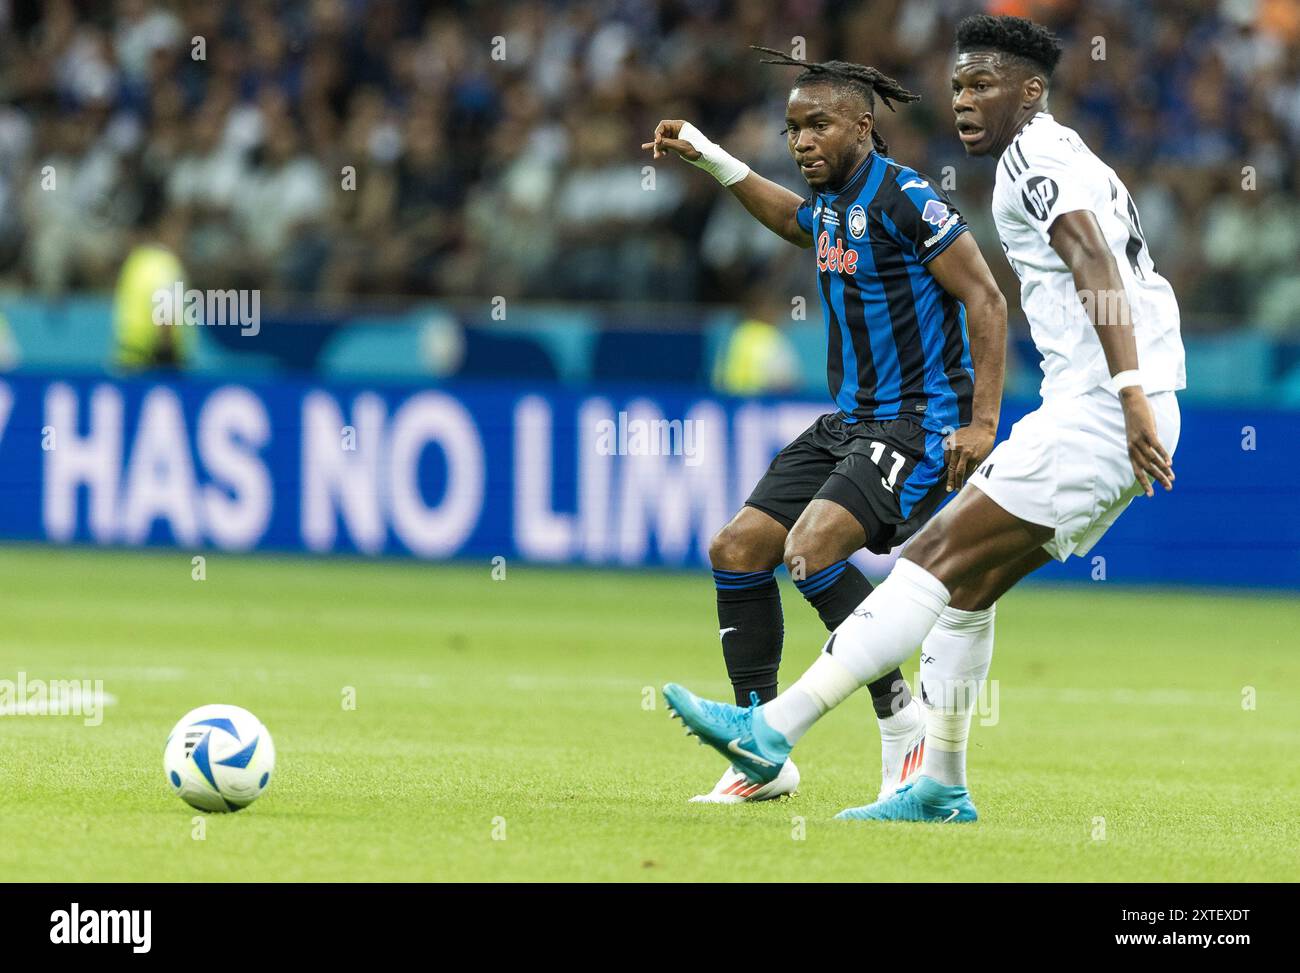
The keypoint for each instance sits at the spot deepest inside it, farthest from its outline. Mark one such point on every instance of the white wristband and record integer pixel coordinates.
(714, 159)
(1124, 379)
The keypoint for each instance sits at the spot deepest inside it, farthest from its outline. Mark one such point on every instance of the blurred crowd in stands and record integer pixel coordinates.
(467, 149)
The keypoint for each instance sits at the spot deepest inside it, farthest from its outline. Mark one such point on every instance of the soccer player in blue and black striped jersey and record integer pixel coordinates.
(1107, 326)
(916, 335)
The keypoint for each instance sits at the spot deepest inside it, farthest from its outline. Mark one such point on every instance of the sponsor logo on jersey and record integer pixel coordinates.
(1040, 195)
(934, 212)
(833, 257)
(943, 230)
(824, 213)
(857, 222)
(915, 184)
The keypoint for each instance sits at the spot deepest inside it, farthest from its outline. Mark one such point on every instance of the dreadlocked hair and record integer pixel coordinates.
(864, 81)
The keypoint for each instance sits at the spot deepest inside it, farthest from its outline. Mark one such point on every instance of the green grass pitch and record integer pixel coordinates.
(512, 730)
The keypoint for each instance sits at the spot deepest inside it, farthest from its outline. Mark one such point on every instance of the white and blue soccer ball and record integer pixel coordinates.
(219, 758)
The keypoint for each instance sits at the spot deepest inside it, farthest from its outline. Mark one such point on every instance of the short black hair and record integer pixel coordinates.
(1016, 36)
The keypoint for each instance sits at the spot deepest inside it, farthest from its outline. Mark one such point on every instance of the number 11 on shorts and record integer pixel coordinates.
(878, 451)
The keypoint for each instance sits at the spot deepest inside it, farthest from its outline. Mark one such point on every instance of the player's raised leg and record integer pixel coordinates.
(955, 659)
(751, 627)
(817, 552)
(972, 536)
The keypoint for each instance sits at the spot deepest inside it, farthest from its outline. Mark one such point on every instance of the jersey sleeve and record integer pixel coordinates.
(924, 219)
(1049, 180)
(804, 215)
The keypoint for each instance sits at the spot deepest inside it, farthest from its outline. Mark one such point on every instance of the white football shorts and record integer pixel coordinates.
(1066, 466)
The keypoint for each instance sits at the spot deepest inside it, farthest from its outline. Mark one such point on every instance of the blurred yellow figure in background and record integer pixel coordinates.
(151, 267)
(9, 355)
(757, 357)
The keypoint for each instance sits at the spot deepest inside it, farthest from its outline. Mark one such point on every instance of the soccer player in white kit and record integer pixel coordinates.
(1107, 326)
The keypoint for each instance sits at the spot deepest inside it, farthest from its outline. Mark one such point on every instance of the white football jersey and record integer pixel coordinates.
(1046, 171)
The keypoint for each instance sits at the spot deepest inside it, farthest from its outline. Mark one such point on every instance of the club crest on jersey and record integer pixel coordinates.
(857, 222)
(934, 212)
(1039, 196)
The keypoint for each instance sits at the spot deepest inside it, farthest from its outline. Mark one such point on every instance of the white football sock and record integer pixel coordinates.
(955, 660)
(883, 631)
(890, 623)
(896, 732)
(901, 724)
(824, 686)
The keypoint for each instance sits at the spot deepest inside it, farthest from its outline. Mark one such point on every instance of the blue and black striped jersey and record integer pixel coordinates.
(896, 340)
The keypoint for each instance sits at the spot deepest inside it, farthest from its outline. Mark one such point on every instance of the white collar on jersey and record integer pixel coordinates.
(1032, 118)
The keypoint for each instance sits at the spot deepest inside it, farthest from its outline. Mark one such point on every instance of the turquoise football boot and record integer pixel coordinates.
(925, 799)
(740, 734)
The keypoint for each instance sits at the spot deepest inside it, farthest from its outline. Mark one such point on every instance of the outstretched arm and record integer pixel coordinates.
(962, 272)
(1078, 239)
(772, 205)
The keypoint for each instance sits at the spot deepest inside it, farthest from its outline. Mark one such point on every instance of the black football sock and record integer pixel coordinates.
(752, 631)
(835, 591)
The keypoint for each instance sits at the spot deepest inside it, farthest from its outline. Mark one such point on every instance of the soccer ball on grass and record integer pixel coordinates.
(219, 758)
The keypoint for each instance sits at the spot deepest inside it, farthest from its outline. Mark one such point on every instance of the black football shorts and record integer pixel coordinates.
(891, 475)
